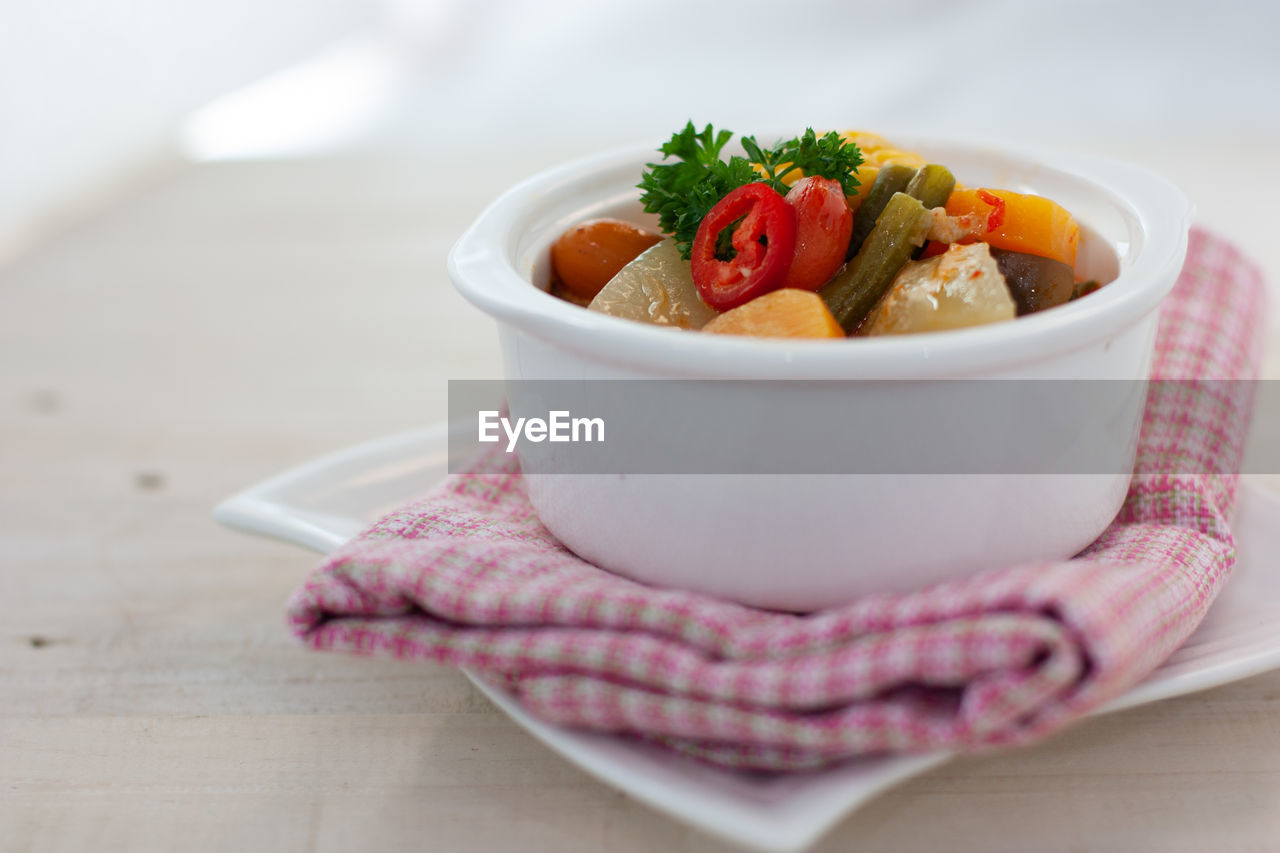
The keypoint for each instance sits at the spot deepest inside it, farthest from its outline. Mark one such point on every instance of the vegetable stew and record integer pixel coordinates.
(819, 236)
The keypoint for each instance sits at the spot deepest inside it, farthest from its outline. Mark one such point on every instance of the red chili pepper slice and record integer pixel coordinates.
(996, 217)
(764, 243)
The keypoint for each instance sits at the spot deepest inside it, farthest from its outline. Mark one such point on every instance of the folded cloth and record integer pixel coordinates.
(468, 576)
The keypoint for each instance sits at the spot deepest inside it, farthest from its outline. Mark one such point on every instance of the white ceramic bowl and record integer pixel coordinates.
(806, 542)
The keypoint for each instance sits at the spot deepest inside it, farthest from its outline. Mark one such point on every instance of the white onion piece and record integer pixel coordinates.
(657, 288)
(961, 287)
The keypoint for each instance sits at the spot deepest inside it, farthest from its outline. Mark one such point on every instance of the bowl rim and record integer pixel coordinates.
(483, 267)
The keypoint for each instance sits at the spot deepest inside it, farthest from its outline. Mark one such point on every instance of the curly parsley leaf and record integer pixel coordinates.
(828, 156)
(682, 192)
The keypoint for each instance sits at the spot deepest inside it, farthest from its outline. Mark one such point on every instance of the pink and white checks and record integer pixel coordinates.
(469, 577)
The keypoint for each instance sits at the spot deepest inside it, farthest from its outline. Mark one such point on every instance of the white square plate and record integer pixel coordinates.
(322, 504)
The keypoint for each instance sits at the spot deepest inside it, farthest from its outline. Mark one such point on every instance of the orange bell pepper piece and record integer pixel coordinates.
(1020, 222)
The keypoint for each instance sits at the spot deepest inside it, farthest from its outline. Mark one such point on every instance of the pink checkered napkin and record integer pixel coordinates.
(468, 576)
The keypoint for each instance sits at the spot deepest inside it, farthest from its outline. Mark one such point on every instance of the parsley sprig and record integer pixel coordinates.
(682, 192)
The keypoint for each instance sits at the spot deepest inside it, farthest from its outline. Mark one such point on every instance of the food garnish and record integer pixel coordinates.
(683, 192)
(762, 242)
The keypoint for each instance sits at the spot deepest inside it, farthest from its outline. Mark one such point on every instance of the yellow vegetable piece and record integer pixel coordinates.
(876, 152)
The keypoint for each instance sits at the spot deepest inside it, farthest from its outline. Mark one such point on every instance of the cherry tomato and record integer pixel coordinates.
(588, 255)
(764, 242)
(824, 224)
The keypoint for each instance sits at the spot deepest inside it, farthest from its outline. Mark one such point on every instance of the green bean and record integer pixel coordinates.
(891, 179)
(856, 289)
(932, 185)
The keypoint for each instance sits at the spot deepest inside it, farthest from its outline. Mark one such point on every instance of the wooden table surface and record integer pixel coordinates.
(234, 319)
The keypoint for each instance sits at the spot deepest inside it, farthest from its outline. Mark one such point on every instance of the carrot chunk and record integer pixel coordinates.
(786, 313)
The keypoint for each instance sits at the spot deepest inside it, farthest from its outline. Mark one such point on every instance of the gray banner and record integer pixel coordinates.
(861, 427)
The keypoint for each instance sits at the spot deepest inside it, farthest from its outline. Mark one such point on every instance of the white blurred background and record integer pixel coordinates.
(95, 97)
